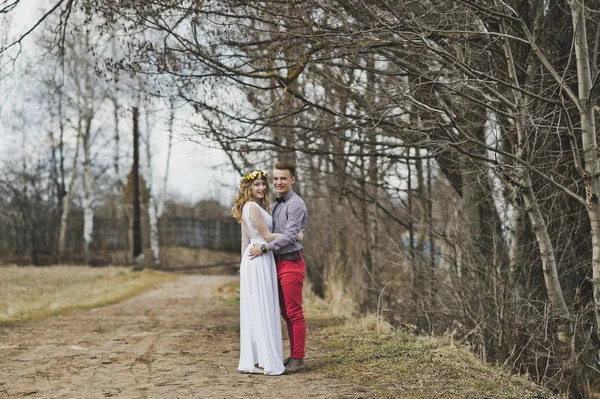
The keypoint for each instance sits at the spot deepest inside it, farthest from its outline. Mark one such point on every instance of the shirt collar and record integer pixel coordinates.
(288, 195)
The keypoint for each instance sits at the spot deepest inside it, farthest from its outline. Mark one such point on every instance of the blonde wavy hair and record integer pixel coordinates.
(244, 194)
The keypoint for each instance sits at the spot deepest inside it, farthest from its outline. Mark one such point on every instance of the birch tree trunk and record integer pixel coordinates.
(152, 204)
(86, 99)
(576, 382)
(161, 200)
(588, 140)
(64, 218)
(555, 294)
(88, 211)
(564, 329)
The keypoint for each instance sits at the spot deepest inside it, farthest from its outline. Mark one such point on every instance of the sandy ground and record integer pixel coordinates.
(179, 340)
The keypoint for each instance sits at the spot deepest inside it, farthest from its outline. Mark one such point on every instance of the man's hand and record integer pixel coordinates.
(255, 251)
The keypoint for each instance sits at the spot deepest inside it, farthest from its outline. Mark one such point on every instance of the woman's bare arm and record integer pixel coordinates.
(259, 222)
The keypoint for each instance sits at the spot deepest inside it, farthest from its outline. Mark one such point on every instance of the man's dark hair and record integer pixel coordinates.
(286, 166)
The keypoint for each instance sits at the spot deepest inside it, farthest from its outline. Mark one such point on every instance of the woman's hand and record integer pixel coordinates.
(300, 235)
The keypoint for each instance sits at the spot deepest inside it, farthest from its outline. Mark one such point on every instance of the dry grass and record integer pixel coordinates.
(388, 363)
(397, 364)
(28, 293)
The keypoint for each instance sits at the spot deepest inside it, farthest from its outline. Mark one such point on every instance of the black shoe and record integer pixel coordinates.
(287, 361)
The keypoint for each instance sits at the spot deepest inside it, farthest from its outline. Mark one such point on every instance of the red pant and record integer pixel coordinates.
(291, 277)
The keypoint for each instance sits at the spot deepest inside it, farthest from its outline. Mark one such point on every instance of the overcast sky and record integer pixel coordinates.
(196, 171)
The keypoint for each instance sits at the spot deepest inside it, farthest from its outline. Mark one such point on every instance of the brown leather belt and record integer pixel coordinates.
(294, 256)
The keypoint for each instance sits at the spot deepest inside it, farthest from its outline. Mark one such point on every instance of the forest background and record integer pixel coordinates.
(447, 150)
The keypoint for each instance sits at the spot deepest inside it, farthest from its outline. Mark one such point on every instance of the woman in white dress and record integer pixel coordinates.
(261, 348)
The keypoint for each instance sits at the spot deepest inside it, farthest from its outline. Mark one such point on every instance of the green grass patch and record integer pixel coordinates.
(30, 293)
(397, 364)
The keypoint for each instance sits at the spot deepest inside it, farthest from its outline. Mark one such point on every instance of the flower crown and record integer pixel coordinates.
(257, 174)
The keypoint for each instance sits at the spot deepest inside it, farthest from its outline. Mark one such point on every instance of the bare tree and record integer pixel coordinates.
(152, 200)
(66, 206)
(356, 90)
(137, 236)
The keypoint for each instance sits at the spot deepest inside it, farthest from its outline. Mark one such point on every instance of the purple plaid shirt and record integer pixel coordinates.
(289, 218)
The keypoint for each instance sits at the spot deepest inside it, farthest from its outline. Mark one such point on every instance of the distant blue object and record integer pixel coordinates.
(437, 250)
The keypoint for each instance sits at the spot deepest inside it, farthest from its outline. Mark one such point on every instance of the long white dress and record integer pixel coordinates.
(260, 324)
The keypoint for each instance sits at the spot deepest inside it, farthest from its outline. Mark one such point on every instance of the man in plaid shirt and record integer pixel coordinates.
(289, 219)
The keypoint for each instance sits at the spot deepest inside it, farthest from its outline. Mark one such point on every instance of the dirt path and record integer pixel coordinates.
(176, 341)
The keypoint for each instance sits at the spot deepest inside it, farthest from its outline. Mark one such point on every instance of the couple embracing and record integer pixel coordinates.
(271, 272)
